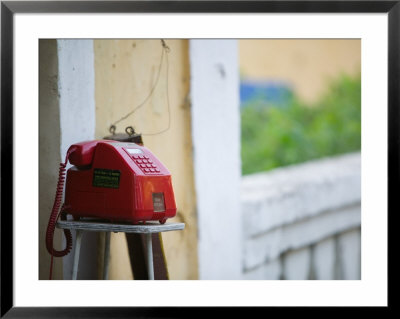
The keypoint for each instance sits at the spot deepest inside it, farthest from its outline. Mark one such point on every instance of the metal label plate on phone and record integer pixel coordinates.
(158, 202)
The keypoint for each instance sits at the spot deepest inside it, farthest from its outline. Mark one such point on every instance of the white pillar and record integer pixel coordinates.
(77, 123)
(216, 151)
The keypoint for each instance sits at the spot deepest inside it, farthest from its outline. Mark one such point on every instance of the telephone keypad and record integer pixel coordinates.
(146, 164)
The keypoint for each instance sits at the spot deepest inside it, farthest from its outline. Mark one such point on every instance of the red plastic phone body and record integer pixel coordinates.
(118, 181)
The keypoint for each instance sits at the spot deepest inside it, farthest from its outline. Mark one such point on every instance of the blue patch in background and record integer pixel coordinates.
(271, 92)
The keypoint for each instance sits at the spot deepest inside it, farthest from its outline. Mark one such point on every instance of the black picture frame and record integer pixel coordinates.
(9, 8)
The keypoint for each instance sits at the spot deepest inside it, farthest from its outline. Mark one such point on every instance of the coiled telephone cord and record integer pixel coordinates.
(55, 213)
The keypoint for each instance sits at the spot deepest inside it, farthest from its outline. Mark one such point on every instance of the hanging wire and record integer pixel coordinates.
(165, 49)
(166, 85)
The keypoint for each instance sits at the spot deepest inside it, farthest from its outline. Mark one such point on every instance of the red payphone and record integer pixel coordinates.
(111, 180)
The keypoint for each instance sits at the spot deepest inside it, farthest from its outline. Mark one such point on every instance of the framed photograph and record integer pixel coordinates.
(56, 46)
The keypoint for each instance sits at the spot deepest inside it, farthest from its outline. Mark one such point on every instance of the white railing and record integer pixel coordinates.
(303, 221)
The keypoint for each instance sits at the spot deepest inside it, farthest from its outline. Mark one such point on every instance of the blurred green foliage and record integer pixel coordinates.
(294, 133)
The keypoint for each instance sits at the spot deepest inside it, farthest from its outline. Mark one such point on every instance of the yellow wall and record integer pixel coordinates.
(124, 73)
(308, 64)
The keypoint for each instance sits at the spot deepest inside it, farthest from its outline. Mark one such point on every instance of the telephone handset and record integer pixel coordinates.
(81, 154)
(115, 181)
